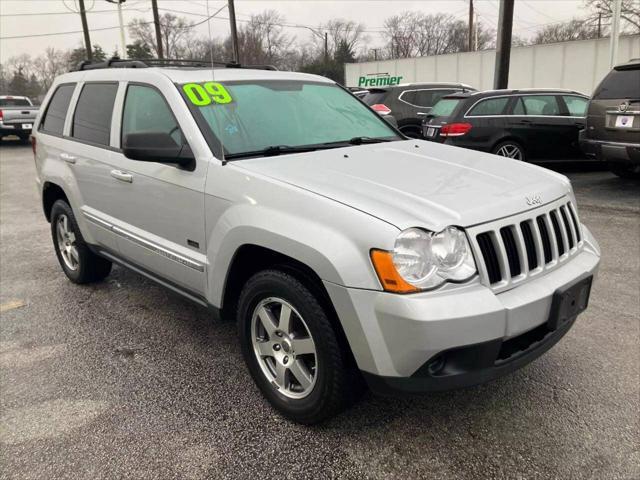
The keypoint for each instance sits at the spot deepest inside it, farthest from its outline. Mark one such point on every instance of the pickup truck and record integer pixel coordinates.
(17, 115)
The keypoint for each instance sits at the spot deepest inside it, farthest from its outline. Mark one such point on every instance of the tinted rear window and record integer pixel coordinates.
(57, 110)
(619, 84)
(376, 96)
(445, 107)
(14, 102)
(428, 98)
(92, 118)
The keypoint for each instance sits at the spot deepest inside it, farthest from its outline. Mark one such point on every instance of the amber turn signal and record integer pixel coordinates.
(389, 277)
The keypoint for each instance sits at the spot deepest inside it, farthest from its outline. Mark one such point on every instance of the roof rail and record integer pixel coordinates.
(116, 62)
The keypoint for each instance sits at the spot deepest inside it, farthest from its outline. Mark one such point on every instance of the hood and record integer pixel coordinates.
(417, 183)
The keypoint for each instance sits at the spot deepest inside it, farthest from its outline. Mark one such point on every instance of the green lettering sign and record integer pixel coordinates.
(202, 94)
(378, 80)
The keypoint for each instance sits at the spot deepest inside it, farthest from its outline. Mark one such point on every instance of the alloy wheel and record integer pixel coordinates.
(67, 243)
(510, 150)
(284, 347)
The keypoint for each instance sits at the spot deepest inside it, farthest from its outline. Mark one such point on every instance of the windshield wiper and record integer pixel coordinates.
(359, 141)
(272, 151)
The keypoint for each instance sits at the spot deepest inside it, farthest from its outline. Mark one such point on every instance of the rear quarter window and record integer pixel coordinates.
(619, 84)
(56, 112)
(445, 107)
(489, 106)
(92, 118)
(14, 102)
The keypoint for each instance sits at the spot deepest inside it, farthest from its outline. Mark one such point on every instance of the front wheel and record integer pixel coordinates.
(510, 149)
(292, 350)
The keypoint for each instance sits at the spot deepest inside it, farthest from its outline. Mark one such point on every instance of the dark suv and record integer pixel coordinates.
(613, 121)
(532, 124)
(411, 102)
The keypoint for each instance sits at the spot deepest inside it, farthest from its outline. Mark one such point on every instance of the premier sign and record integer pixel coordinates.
(383, 80)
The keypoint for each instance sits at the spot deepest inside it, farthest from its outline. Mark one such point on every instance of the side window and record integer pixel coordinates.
(145, 110)
(56, 113)
(577, 106)
(541, 105)
(92, 118)
(409, 96)
(518, 108)
(491, 106)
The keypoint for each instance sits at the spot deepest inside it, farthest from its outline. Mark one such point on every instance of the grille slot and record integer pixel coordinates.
(575, 222)
(546, 240)
(512, 250)
(488, 250)
(556, 230)
(567, 227)
(529, 243)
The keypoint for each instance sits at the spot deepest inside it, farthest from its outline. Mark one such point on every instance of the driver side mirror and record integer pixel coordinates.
(156, 147)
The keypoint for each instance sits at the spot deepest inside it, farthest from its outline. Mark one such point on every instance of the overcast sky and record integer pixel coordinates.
(39, 17)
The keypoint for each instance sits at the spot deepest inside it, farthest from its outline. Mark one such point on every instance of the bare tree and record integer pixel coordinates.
(411, 34)
(562, 32)
(339, 31)
(49, 65)
(176, 34)
(604, 9)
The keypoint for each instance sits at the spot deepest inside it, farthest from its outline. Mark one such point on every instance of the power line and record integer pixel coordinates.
(61, 33)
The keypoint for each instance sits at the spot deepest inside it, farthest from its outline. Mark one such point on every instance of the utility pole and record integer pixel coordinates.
(503, 45)
(85, 29)
(326, 47)
(615, 33)
(375, 54)
(234, 31)
(599, 24)
(470, 35)
(156, 21)
(123, 42)
(475, 36)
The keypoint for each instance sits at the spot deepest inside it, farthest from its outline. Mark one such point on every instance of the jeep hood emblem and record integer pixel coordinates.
(534, 200)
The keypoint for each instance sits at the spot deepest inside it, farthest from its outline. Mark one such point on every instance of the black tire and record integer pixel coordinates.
(90, 267)
(510, 144)
(24, 138)
(625, 171)
(337, 382)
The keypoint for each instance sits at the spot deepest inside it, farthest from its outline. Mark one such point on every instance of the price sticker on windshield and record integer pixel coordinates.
(203, 94)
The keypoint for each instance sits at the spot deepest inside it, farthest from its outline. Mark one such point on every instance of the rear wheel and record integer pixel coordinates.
(510, 149)
(291, 348)
(78, 262)
(625, 171)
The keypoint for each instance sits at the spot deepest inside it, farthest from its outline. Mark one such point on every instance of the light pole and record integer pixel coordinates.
(615, 32)
(123, 42)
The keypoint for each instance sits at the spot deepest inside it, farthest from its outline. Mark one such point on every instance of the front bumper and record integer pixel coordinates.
(397, 340)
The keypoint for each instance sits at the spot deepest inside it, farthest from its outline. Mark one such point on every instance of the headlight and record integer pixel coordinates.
(422, 260)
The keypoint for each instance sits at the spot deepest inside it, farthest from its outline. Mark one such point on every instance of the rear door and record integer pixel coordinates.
(88, 151)
(575, 111)
(538, 119)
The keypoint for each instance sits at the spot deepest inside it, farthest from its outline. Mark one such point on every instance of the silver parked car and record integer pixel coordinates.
(344, 251)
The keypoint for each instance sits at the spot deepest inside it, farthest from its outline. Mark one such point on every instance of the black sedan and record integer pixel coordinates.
(529, 125)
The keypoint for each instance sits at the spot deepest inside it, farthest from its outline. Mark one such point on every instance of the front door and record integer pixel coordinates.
(160, 212)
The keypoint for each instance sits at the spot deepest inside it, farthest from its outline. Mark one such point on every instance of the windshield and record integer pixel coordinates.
(253, 116)
(444, 107)
(14, 102)
(374, 96)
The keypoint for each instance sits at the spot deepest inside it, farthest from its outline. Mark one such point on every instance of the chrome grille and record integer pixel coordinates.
(511, 250)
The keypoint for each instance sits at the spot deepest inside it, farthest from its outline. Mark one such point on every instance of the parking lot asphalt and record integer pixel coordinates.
(124, 379)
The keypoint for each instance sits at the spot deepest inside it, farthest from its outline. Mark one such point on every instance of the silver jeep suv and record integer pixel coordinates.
(347, 254)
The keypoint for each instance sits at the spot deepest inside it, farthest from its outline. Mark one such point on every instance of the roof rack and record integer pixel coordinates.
(116, 62)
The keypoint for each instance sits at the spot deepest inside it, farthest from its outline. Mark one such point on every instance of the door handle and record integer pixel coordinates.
(422, 113)
(122, 176)
(68, 158)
